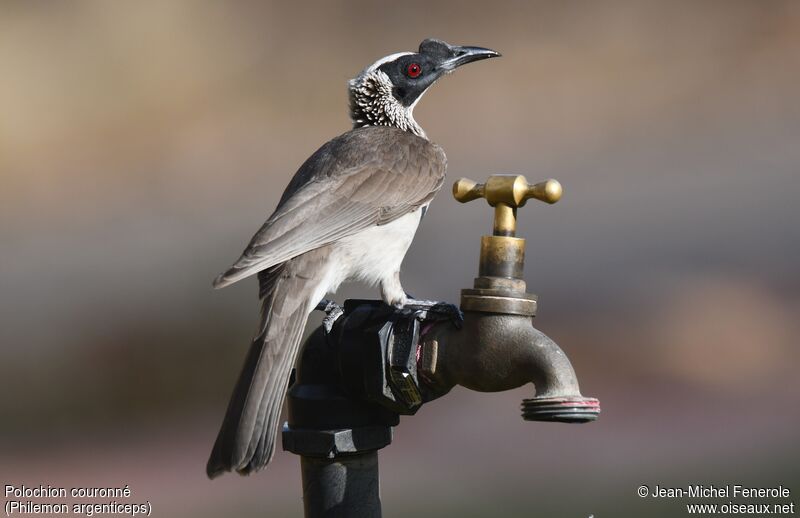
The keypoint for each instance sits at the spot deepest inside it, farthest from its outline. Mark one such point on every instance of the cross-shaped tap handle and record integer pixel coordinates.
(506, 192)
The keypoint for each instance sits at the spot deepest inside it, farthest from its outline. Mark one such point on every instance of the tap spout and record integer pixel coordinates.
(498, 351)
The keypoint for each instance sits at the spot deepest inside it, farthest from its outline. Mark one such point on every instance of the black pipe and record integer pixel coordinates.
(342, 487)
(336, 432)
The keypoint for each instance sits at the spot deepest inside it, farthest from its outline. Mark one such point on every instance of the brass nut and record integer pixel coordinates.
(481, 301)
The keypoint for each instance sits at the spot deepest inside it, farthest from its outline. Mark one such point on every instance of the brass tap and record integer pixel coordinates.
(499, 287)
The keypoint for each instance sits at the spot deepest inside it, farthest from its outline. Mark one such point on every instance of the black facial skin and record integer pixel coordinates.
(435, 58)
(408, 89)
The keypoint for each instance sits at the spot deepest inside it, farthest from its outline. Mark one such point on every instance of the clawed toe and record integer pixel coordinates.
(435, 310)
(332, 312)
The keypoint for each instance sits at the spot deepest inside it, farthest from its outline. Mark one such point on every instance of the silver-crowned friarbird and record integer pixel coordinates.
(349, 213)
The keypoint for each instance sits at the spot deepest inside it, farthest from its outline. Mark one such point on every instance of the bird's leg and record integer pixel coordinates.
(392, 291)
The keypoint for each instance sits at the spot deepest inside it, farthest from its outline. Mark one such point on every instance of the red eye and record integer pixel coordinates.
(414, 70)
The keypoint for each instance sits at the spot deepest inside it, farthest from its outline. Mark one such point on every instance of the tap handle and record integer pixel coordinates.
(506, 193)
(511, 190)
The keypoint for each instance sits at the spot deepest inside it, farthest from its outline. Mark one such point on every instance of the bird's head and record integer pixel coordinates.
(385, 93)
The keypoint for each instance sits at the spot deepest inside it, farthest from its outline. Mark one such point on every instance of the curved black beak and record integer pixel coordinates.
(464, 55)
(449, 57)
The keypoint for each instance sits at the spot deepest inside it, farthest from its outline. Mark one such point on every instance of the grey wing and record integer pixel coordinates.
(344, 196)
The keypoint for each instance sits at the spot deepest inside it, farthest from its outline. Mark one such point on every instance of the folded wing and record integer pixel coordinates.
(366, 177)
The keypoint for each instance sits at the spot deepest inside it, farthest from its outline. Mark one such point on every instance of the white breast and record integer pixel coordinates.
(375, 253)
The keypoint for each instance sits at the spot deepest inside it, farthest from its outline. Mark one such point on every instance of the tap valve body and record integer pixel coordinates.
(499, 294)
(499, 287)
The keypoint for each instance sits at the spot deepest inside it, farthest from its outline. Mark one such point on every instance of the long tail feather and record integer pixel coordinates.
(247, 438)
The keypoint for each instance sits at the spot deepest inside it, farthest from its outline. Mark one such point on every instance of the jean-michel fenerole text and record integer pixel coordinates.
(726, 491)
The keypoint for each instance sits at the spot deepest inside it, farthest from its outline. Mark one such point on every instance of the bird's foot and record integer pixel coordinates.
(399, 302)
(432, 310)
(332, 312)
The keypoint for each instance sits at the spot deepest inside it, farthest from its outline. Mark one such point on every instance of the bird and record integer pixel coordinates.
(349, 214)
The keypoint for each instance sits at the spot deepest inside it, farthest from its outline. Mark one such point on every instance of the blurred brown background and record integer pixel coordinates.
(142, 143)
